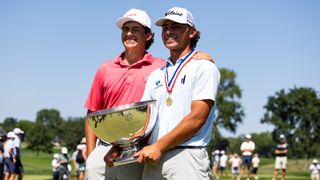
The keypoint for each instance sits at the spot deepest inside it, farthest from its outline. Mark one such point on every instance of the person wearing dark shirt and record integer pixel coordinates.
(281, 152)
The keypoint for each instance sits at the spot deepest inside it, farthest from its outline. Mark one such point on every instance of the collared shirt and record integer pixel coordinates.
(198, 80)
(282, 147)
(247, 147)
(117, 83)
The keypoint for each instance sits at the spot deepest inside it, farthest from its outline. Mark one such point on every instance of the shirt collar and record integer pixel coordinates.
(169, 62)
(147, 58)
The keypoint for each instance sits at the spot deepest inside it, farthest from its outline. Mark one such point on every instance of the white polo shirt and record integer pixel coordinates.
(247, 147)
(198, 80)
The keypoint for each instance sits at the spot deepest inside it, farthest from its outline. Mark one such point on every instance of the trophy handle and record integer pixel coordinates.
(141, 132)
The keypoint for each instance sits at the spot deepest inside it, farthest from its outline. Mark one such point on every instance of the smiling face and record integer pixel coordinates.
(134, 36)
(176, 36)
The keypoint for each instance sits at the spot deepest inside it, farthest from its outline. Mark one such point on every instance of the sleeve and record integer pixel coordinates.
(207, 72)
(94, 101)
(149, 95)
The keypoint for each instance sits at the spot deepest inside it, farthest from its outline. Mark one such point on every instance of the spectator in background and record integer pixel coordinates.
(18, 152)
(81, 158)
(235, 162)
(223, 164)
(75, 164)
(64, 170)
(255, 165)
(315, 169)
(281, 157)
(247, 148)
(9, 158)
(55, 167)
(2, 139)
(216, 159)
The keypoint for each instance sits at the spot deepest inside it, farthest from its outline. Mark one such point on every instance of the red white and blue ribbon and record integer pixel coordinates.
(170, 83)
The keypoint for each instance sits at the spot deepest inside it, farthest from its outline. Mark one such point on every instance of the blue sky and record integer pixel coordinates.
(50, 50)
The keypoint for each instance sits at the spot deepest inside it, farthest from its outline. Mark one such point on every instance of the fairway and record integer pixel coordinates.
(39, 168)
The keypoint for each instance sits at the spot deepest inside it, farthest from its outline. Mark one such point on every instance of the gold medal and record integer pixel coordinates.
(168, 101)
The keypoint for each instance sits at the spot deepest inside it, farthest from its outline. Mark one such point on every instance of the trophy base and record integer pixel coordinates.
(129, 149)
(123, 161)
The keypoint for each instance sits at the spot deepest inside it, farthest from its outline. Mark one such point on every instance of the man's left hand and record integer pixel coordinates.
(148, 154)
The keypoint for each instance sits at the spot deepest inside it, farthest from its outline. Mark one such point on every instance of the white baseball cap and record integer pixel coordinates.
(83, 140)
(18, 131)
(282, 136)
(56, 156)
(64, 150)
(179, 15)
(315, 161)
(248, 136)
(11, 134)
(222, 152)
(136, 15)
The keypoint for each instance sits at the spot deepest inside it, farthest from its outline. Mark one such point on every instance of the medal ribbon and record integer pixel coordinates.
(176, 73)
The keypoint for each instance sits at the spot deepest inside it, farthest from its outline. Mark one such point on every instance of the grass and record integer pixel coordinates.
(294, 170)
(39, 168)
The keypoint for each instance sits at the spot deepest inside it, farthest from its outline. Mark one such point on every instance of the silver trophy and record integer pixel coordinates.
(123, 126)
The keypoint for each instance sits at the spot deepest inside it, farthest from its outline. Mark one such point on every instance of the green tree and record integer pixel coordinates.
(9, 124)
(51, 119)
(39, 139)
(229, 109)
(26, 126)
(296, 114)
(73, 131)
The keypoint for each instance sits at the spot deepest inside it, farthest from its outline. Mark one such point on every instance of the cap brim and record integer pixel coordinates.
(121, 21)
(160, 21)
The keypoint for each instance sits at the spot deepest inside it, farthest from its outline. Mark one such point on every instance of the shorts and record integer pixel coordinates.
(222, 168)
(254, 170)
(281, 162)
(246, 161)
(235, 170)
(9, 166)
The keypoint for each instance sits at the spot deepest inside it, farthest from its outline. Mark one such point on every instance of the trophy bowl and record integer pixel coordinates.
(123, 126)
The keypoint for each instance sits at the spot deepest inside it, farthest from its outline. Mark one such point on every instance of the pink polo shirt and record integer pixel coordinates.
(117, 83)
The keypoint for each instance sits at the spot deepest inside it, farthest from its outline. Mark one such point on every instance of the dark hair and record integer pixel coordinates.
(149, 42)
(194, 40)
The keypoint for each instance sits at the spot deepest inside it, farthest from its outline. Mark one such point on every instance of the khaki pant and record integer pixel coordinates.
(177, 164)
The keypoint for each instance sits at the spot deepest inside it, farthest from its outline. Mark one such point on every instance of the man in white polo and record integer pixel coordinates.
(247, 148)
(185, 90)
(281, 157)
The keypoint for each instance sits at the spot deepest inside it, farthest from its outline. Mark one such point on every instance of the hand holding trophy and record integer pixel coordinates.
(124, 127)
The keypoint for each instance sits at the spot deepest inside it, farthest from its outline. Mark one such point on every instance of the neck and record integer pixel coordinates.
(177, 54)
(131, 57)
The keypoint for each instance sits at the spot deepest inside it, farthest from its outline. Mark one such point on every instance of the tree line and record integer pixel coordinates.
(294, 113)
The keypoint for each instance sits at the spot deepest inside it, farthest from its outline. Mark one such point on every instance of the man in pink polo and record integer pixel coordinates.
(117, 82)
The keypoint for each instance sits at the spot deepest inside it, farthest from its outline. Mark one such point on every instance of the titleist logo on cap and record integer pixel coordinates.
(132, 14)
(173, 13)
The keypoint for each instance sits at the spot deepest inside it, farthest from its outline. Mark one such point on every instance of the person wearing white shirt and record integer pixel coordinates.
(9, 157)
(247, 148)
(315, 169)
(223, 164)
(235, 162)
(18, 152)
(185, 90)
(255, 165)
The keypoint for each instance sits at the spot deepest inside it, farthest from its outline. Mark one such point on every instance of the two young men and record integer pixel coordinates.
(186, 96)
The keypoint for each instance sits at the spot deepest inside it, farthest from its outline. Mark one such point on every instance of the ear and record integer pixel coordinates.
(149, 36)
(193, 32)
